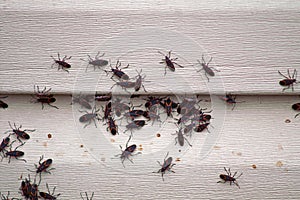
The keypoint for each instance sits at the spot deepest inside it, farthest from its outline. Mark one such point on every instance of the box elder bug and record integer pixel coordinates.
(169, 62)
(61, 63)
(125, 85)
(168, 104)
(289, 80)
(43, 167)
(83, 100)
(230, 99)
(89, 117)
(296, 107)
(95, 62)
(166, 166)
(201, 127)
(112, 127)
(107, 111)
(19, 133)
(86, 196)
(137, 124)
(4, 144)
(118, 72)
(14, 153)
(152, 101)
(139, 82)
(2, 103)
(43, 97)
(49, 196)
(208, 70)
(102, 97)
(120, 107)
(229, 177)
(180, 138)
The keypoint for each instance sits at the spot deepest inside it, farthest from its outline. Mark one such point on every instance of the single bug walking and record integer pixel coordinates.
(96, 62)
(61, 63)
(180, 138)
(137, 124)
(112, 126)
(139, 82)
(169, 105)
(166, 166)
(296, 107)
(118, 71)
(43, 167)
(4, 144)
(86, 196)
(83, 100)
(229, 177)
(19, 133)
(128, 152)
(14, 153)
(2, 103)
(169, 62)
(289, 80)
(43, 97)
(230, 99)
(49, 195)
(208, 70)
(89, 117)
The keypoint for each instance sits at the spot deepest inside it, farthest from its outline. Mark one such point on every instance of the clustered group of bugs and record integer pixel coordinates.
(192, 117)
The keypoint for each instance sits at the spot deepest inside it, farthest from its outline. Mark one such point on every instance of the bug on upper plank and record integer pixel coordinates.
(118, 71)
(14, 153)
(83, 100)
(43, 167)
(86, 196)
(289, 80)
(152, 101)
(127, 152)
(296, 107)
(169, 62)
(125, 85)
(180, 138)
(112, 126)
(2, 103)
(139, 82)
(49, 195)
(137, 124)
(3, 197)
(168, 104)
(230, 99)
(107, 111)
(89, 117)
(61, 63)
(103, 97)
(96, 62)
(166, 166)
(4, 144)
(43, 97)
(229, 177)
(208, 70)
(19, 133)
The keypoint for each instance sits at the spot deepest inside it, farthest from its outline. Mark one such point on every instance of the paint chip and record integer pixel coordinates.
(254, 166)
(158, 135)
(49, 135)
(279, 164)
(177, 159)
(112, 140)
(81, 146)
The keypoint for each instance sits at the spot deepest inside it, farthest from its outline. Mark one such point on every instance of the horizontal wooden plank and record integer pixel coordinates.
(248, 45)
(254, 133)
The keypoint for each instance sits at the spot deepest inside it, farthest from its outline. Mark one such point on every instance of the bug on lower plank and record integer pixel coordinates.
(208, 70)
(120, 106)
(180, 138)
(96, 62)
(152, 101)
(117, 71)
(128, 152)
(229, 177)
(20, 133)
(61, 63)
(201, 127)
(14, 153)
(169, 62)
(139, 82)
(83, 100)
(3, 197)
(169, 105)
(296, 107)
(152, 114)
(134, 113)
(43, 167)
(230, 99)
(43, 97)
(112, 126)
(89, 117)
(49, 195)
(289, 80)
(86, 196)
(166, 166)
(2, 103)
(136, 124)
(4, 144)
(107, 111)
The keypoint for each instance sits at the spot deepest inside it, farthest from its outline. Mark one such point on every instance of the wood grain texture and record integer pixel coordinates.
(254, 133)
(249, 43)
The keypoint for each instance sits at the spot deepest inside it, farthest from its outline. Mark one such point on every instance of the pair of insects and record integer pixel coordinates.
(43, 97)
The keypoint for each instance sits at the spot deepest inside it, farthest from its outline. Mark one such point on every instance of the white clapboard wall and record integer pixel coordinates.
(249, 42)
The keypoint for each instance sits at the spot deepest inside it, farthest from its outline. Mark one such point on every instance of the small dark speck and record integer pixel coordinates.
(157, 135)
(81, 145)
(49, 136)
(287, 121)
(179, 150)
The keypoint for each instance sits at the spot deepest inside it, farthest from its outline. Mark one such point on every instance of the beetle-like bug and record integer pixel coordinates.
(89, 117)
(166, 166)
(43, 167)
(2, 103)
(169, 62)
(19, 133)
(139, 82)
(26, 187)
(4, 144)
(118, 72)
(229, 177)
(230, 99)
(112, 127)
(152, 101)
(3, 197)
(127, 152)
(208, 70)
(86, 196)
(296, 107)
(137, 124)
(49, 196)
(14, 153)
(180, 138)
(102, 97)
(107, 111)
(289, 80)
(43, 97)
(201, 127)
(61, 63)
(95, 62)
(168, 104)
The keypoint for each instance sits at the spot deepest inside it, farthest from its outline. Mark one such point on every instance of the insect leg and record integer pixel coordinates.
(283, 75)
(52, 106)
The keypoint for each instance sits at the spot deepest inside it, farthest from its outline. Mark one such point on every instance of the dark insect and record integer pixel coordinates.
(166, 166)
(169, 62)
(62, 64)
(188, 106)
(134, 113)
(112, 127)
(83, 100)
(230, 99)
(180, 138)
(96, 62)
(43, 97)
(103, 97)
(201, 127)
(189, 128)
(15, 153)
(296, 107)
(49, 196)
(229, 177)
(4, 144)
(127, 152)
(135, 96)
(89, 117)
(26, 188)
(289, 80)
(2, 103)
(137, 124)
(43, 167)
(118, 72)
(34, 192)
(3, 197)
(138, 82)
(168, 104)
(107, 111)
(152, 101)
(19, 133)
(120, 107)
(86, 196)
(208, 70)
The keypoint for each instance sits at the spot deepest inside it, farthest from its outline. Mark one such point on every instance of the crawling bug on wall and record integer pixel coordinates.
(120, 106)
(106, 111)
(125, 85)
(201, 127)
(95, 62)
(118, 71)
(180, 138)
(151, 114)
(168, 104)
(14, 153)
(103, 97)
(208, 70)
(4, 144)
(137, 124)
(26, 188)
(289, 80)
(230, 99)
(43, 167)
(2, 103)
(166, 166)
(49, 196)
(89, 117)
(229, 177)
(34, 192)
(296, 107)
(19, 133)
(86, 196)
(169, 62)
(43, 97)
(152, 101)
(3, 197)
(61, 63)
(112, 127)
(134, 113)
(138, 82)
(83, 100)
(127, 152)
